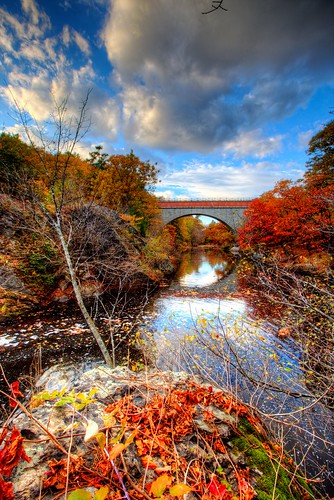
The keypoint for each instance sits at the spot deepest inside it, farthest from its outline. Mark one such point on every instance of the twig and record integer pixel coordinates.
(219, 5)
(134, 486)
(39, 424)
(118, 475)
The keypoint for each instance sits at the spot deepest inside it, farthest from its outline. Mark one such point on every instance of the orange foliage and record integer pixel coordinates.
(291, 218)
(218, 234)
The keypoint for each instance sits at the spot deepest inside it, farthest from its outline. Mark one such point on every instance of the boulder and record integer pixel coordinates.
(90, 426)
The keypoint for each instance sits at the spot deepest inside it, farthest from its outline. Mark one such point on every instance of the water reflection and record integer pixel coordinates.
(198, 269)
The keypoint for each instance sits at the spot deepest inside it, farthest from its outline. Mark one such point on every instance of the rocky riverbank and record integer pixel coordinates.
(119, 434)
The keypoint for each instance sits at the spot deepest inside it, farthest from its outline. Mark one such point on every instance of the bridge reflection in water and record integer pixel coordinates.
(230, 212)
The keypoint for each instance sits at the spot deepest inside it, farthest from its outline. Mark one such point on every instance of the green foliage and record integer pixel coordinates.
(41, 265)
(82, 494)
(258, 457)
(78, 400)
(15, 161)
(97, 158)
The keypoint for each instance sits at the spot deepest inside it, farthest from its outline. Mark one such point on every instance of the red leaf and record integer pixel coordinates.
(12, 452)
(14, 391)
(216, 488)
(6, 490)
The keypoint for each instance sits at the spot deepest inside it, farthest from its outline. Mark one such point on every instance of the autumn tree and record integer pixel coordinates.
(52, 187)
(288, 219)
(288, 234)
(125, 183)
(320, 166)
(189, 232)
(218, 233)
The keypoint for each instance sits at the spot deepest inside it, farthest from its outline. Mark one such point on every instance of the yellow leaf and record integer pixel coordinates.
(160, 484)
(116, 450)
(91, 430)
(80, 495)
(102, 493)
(179, 489)
(131, 437)
(109, 420)
(101, 439)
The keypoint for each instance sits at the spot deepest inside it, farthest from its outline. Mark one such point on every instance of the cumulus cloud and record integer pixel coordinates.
(205, 180)
(202, 80)
(253, 143)
(42, 68)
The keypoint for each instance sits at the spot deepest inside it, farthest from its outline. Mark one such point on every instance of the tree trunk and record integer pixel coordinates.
(78, 296)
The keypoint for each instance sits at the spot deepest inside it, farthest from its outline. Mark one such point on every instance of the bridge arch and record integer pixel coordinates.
(199, 214)
(229, 212)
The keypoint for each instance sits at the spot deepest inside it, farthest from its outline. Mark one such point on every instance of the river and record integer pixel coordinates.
(204, 323)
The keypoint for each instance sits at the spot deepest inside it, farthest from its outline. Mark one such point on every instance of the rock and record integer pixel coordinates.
(166, 422)
(10, 281)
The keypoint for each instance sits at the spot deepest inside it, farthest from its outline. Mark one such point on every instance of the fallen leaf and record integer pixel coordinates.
(91, 430)
(14, 392)
(80, 495)
(116, 450)
(160, 484)
(102, 493)
(101, 439)
(6, 490)
(12, 452)
(216, 488)
(179, 489)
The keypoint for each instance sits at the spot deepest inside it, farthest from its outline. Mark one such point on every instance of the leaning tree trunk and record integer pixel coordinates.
(78, 296)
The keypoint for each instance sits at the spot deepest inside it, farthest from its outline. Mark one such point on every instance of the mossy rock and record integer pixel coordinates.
(276, 469)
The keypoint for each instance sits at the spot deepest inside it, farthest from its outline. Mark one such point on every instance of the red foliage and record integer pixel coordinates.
(14, 392)
(291, 218)
(6, 490)
(12, 451)
(217, 489)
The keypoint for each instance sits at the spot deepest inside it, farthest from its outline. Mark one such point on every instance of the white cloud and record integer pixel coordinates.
(253, 143)
(10, 23)
(205, 180)
(39, 70)
(33, 51)
(38, 22)
(81, 43)
(6, 39)
(66, 35)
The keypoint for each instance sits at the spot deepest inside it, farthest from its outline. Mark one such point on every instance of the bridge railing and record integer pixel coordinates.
(228, 203)
(203, 199)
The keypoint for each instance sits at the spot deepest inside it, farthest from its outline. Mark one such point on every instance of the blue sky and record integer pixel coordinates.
(225, 103)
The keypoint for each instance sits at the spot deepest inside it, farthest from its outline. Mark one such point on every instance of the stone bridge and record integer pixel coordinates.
(230, 212)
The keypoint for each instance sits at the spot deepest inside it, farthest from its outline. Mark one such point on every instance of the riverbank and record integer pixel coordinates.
(141, 435)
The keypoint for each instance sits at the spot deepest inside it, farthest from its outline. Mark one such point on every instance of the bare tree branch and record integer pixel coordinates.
(216, 4)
